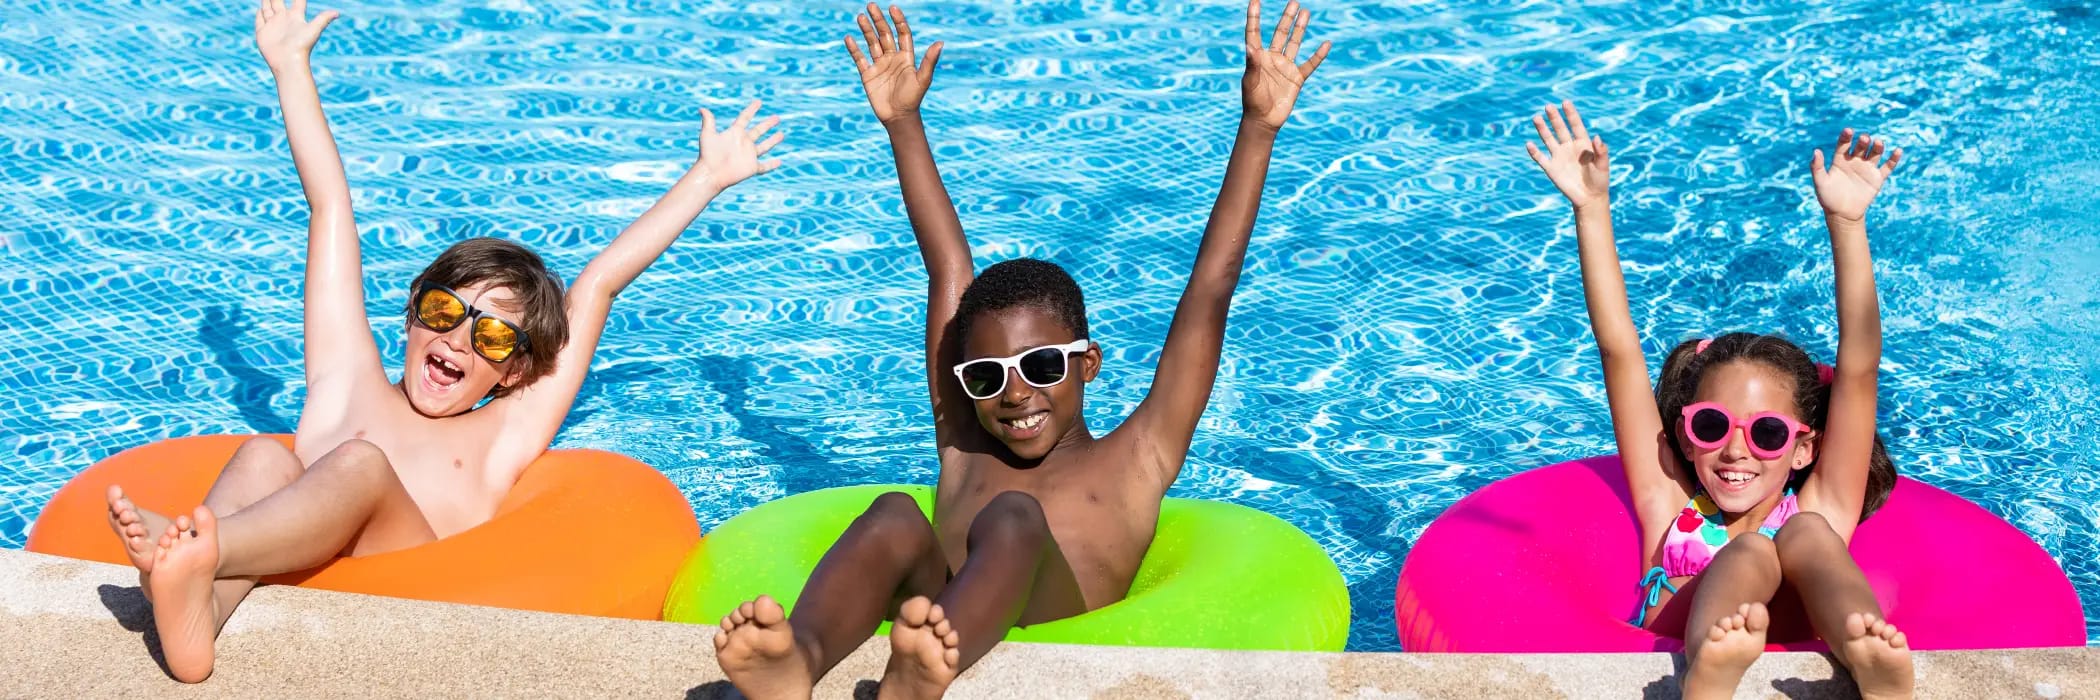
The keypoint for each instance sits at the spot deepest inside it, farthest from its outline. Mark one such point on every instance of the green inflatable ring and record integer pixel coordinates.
(1218, 575)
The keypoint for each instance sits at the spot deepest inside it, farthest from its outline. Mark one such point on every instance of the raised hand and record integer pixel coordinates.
(731, 155)
(284, 35)
(1274, 75)
(890, 73)
(1855, 175)
(1577, 162)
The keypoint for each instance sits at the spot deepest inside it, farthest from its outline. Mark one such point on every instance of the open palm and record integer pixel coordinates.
(1856, 174)
(1577, 162)
(732, 155)
(894, 79)
(1274, 75)
(284, 35)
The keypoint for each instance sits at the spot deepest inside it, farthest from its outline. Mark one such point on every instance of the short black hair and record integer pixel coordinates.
(1018, 283)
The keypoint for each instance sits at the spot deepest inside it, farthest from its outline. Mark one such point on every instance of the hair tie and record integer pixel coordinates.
(1702, 345)
(1825, 373)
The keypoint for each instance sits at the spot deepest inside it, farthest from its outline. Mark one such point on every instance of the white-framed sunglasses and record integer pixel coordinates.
(984, 378)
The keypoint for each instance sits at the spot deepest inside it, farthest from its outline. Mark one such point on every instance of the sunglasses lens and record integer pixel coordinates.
(439, 310)
(1769, 434)
(1043, 367)
(494, 339)
(982, 379)
(1708, 425)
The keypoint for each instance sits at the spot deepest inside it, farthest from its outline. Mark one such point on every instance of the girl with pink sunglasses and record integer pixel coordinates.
(1749, 464)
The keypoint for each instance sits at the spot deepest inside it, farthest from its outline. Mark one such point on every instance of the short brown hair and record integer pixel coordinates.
(500, 263)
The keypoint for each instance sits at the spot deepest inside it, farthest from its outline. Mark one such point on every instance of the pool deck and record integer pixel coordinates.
(77, 628)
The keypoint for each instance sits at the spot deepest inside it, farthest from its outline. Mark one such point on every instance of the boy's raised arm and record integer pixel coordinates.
(726, 158)
(1188, 364)
(895, 81)
(338, 340)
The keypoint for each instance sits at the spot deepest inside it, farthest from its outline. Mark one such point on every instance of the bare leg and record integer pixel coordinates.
(1842, 607)
(258, 467)
(1015, 572)
(1725, 631)
(889, 549)
(351, 495)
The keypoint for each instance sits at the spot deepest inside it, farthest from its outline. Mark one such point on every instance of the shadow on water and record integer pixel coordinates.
(804, 467)
(253, 388)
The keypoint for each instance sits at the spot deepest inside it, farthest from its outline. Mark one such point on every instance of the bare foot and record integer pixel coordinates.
(136, 527)
(757, 650)
(1716, 665)
(923, 654)
(1878, 655)
(184, 611)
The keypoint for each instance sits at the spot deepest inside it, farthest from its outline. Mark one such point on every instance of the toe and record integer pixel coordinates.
(769, 613)
(935, 614)
(1855, 625)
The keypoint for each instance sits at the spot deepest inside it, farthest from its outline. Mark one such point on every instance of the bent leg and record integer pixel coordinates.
(890, 548)
(1842, 607)
(349, 500)
(1015, 571)
(1725, 631)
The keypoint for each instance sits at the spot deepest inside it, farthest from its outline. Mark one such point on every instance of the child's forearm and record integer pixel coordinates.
(1223, 252)
(1604, 282)
(1858, 307)
(642, 242)
(313, 146)
(933, 220)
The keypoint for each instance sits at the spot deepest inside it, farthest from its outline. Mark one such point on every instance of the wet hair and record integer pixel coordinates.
(1688, 362)
(1024, 282)
(542, 314)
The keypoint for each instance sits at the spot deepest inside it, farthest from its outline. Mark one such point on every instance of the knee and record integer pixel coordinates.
(1758, 547)
(895, 519)
(1013, 518)
(1805, 529)
(264, 459)
(895, 516)
(359, 457)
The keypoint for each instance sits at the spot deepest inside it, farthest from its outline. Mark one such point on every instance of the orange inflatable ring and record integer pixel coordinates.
(583, 532)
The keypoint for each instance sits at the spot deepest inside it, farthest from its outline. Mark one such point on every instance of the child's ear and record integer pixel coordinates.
(513, 374)
(1805, 450)
(1090, 362)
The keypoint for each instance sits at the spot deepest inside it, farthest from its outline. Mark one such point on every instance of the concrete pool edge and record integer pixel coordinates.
(77, 628)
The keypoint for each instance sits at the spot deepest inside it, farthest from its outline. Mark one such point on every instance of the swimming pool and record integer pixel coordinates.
(1410, 326)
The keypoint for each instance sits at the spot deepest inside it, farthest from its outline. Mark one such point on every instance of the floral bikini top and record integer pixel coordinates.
(1693, 540)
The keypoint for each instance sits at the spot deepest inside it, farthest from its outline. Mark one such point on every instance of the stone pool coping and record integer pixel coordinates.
(76, 628)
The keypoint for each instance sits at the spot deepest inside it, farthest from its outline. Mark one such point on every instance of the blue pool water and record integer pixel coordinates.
(1410, 326)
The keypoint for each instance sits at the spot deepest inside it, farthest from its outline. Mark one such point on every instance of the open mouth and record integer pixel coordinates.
(1027, 426)
(441, 374)
(1735, 480)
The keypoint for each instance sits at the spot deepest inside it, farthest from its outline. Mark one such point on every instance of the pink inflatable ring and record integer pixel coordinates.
(1549, 561)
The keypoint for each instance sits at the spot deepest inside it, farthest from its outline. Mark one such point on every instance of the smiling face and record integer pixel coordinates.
(1735, 479)
(443, 376)
(1030, 420)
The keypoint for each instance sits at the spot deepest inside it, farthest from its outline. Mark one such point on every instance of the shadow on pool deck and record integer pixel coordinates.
(76, 628)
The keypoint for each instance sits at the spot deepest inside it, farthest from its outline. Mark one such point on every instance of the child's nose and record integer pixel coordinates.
(1737, 447)
(1017, 389)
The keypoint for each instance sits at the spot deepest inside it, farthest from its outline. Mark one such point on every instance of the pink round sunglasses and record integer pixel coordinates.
(1768, 434)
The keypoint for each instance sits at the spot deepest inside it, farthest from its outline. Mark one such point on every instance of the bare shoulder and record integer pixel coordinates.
(1133, 459)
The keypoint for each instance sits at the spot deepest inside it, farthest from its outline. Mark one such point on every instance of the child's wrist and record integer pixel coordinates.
(1598, 204)
(903, 117)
